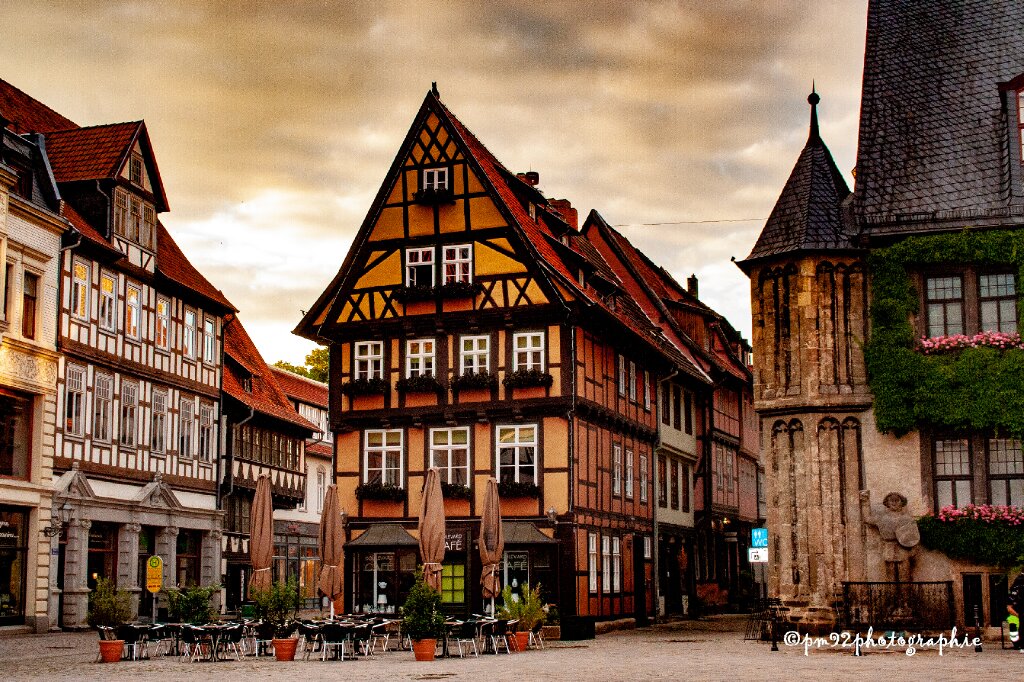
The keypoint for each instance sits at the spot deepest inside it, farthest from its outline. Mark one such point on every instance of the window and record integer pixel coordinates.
(674, 482)
(632, 381)
(592, 561)
(209, 341)
(998, 302)
(8, 283)
(206, 433)
(606, 564)
(686, 487)
(458, 263)
(453, 583)
(108, 302)
(159, 426)
(419, 358)
(475, 354)
(121, 212)
(383, 453)
(517, 453)
(622, 375)
(616, 565)
(1006, 471)
(188, 335)
(129, 413)
(528, 349)
(677, 408)
(419, 267)
(435, 178)
(15, 458)
(163, 322)
(629, 473)
(369, 360)
(147, 236)
(449, 452)
(135, 170)
(643, 478)
(74, 400)
(321, 489)
(134, 220)
(29, 295)
(688, 412)
(80, 290)
(952, 458)
(132, 311)
(186, 427)
(662, 481)
(945, 306)
(102, 401)
(647, 390)
(725, 474)
(647, 547)
(616, 469)
(666, 405)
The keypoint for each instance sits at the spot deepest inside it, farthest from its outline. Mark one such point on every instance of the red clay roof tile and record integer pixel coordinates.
(28, 115)
(301, 388)
(173, 265)
(90, 153)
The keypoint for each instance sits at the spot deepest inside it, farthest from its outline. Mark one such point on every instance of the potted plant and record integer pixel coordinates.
(191, 604)
(275, 605)
(422, 619)
(109, 607)
(526, 607)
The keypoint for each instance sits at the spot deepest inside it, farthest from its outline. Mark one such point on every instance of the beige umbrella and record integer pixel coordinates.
(431, 528)
(261, 536)
(332, 543)
(492, 542)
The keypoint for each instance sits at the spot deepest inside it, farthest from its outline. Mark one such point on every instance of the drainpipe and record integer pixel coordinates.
(231, 458)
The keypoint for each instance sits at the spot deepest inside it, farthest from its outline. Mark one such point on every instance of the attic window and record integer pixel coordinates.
(435, 179)
(135, 170)
(247, 384)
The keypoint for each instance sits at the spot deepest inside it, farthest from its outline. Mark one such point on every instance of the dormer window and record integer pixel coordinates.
(134, 219)
(435, 179)
(135, 170)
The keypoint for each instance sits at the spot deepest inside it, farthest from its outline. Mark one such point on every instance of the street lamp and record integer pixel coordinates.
(553, 516)
(62, 517)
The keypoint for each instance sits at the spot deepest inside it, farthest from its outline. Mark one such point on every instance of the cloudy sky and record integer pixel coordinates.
(275, 122)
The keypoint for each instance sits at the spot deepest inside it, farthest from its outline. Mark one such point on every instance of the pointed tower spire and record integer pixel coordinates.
(813, 100)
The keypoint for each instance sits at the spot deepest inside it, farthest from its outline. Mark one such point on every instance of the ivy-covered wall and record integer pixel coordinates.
(976, 388)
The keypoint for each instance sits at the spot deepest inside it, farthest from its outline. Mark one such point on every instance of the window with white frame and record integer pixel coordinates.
(616, 469)
(606, 564)
(102, 401)
(209, 341)
(629, 473)
(321, 489)
(108, 302)
(647, 390)
(632, 381)
(647, 546)
(158, 440)
(643, 478)
(419, 357)
(419, 267)
(622, 375)
(383, 453)
(1006, 471)
(135, 169)
(528, 351)
(186, 427)
(129, 413)
(449, 452)
(435, 178)
(188, 334)
(517, 453)
(132, 310)
(163, 323)
(206, 432)
(592, 561)
(80, 290)
(458, 263)
(475, 354)
(368, 359)
(616, 565)
(74, 400)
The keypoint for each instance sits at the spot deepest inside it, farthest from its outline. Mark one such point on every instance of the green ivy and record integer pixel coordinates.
(976, 388)
(980, 542)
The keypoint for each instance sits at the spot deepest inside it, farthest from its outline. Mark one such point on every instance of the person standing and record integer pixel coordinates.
(1015, 607)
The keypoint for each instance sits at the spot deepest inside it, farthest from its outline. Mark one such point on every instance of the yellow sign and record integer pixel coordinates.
(154, 574)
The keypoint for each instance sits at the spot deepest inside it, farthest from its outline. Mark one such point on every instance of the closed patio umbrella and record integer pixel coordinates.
(261, 536)
(431, 528)
(492, 542)
(332, 543)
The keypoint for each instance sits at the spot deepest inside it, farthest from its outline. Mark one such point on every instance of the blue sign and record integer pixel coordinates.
(758, 537)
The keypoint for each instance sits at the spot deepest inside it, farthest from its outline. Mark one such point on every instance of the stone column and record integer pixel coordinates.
(167, 548)
(128, 562)
(55, 586)
(76, 574)
(209, 563)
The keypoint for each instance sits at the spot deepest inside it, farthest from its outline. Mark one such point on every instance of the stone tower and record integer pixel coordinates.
(809, 301)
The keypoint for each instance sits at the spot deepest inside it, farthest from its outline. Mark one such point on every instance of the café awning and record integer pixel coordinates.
(383, 535)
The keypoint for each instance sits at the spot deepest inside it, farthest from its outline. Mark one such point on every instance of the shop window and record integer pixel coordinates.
(515, 570)
(13, 565)
(15, 436)
(188, 557)
(453, 583)
(102, 553)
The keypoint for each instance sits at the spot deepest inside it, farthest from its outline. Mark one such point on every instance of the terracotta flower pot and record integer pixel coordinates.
(423, 649)
(111, 650)
(284, 649)
(522, 641)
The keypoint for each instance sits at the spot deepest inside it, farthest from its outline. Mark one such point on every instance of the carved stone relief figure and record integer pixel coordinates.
(898, 531)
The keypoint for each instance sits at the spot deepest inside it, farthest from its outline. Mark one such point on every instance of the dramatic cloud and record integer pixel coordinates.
(274, 123)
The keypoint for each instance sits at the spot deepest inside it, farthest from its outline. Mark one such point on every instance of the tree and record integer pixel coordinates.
(316, 367)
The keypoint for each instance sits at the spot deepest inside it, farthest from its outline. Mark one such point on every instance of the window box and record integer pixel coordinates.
(364, 387)
(425, 383)
(415, 293)
(525, 378)
(433, 196)
(456, 491)
(380, 491)
(518, 489)
(460, 289)
(471, 380)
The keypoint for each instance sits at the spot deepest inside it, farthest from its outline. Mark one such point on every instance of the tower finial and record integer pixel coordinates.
(813, 100)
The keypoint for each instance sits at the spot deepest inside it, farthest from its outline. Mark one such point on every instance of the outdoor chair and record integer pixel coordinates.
(194, 640)
(334, 637)
(499, 633)
(361, 637)
(484, 634)
(466, 634)
(380, 632)
(536, 636)
(264, 633)
(310, 636)
(134, 642)
(231, 637)
(106, 634)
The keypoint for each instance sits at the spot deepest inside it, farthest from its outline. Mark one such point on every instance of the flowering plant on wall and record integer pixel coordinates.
(997, 340)
(985, 534)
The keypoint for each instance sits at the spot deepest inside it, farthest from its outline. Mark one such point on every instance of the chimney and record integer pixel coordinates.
(568, 213)
(691, 285)
(531, 178)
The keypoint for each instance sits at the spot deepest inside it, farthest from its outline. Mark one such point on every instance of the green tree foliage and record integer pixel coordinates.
(316, 367)
(191, 604)
(422, 617)
(109, 606)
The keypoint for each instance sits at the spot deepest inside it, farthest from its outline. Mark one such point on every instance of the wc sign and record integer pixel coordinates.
(759, 537)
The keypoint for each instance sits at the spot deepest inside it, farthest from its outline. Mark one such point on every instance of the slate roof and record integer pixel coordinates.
(934, 128)
(28, 115)
(301, 388)
(808, 214)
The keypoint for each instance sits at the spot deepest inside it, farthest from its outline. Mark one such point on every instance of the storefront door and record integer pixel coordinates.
(13, 565)
(102, 551)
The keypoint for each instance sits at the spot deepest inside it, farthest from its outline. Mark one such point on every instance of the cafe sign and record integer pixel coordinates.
(154, 574)
(455, 541)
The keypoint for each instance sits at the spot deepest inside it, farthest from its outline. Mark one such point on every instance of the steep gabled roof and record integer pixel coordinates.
(301, 388)
(28, 115)
(808, 214)
(266, 395)
(172, 264)
(87, 231)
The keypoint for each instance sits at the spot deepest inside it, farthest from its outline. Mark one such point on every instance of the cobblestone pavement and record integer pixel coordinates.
(710, 649)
